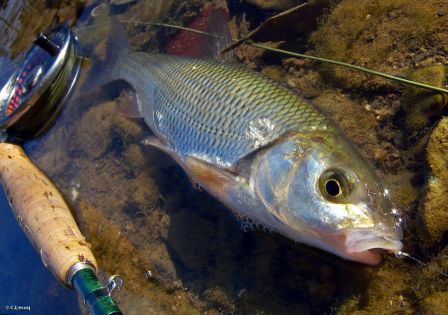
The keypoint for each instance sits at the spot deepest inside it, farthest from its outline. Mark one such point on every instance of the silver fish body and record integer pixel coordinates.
(263, 151)
(214, 110)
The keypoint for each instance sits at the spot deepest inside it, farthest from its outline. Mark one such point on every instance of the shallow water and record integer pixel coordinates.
(178, 249)
(24, 279)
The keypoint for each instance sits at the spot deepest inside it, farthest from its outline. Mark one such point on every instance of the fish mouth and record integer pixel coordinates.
(363, 245)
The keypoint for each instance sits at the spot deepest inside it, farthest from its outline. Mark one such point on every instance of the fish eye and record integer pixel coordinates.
(334, 185)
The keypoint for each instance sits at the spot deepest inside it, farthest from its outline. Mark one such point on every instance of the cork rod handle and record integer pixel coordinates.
(42, 213)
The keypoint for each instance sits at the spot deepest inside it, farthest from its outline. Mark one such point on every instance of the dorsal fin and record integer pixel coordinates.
(211, 20)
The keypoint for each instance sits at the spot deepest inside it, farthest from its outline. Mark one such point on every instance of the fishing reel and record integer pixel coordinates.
(31, 98)
(30, 101)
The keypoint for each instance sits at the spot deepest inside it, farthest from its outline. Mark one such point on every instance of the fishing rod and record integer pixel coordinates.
(30, 102)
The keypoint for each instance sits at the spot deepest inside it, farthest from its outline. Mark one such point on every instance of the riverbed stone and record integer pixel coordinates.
(434, 212)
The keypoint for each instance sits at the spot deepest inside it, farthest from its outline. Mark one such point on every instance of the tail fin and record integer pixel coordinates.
(104, 42)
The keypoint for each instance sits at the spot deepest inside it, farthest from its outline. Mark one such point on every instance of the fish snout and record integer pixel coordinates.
(364, 245)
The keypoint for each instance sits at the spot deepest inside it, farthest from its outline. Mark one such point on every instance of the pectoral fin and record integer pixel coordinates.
(216, 181)
(155, 142)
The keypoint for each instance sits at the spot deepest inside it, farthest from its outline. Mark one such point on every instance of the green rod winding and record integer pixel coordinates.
(94, 293)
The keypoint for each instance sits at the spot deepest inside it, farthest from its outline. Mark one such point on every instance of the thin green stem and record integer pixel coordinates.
(347, 65)
(293, 54)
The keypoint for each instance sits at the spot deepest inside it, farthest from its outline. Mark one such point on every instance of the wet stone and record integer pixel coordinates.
(433, 211)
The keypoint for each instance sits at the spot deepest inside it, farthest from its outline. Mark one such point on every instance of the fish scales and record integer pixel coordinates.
(216, 111)
(311, 184)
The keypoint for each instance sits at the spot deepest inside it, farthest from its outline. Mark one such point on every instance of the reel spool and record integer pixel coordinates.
(31, 99)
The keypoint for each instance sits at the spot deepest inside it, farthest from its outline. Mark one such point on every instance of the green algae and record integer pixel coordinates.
(387, 36)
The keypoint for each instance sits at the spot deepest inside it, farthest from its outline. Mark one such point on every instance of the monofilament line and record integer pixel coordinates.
(401, 254)
(298, 55)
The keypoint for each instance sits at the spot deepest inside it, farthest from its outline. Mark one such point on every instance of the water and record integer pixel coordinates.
(178, 249)
(10, 23)
(24, 279)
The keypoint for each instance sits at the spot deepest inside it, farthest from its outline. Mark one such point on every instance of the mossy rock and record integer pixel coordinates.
(421, 111)
(117, 253)
(433, 211)
(384, 35)
(92, 136)
(403, 193)
(272, 72)
(435, 304)
(432, 75)
(422, 104)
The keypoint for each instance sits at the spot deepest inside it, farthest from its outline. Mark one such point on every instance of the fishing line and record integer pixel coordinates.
(401, 255)
(289, 53)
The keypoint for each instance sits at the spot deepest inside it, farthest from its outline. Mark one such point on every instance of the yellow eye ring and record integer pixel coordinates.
(334, 185)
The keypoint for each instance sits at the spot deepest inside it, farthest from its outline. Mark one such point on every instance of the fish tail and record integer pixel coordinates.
(105, 63)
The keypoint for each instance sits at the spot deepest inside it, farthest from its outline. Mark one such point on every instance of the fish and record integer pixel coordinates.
(263, 151)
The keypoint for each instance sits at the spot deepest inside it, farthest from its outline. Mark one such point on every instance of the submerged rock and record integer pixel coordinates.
(434, 208)
(336, 105)
(384, 294)
(384, 35)
(119, 251)
(93, 134)
(289, 25)
(434, 304)
(421, 105)
(275, 5)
